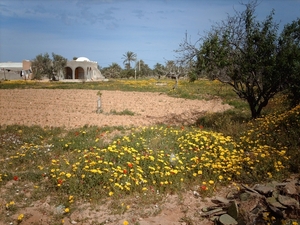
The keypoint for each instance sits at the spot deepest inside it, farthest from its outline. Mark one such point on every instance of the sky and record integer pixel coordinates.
(104, 30)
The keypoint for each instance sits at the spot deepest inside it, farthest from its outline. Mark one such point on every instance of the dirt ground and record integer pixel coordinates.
(75, 108)
(185, 209)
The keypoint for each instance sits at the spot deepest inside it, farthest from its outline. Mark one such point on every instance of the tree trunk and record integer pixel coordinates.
(252, 105)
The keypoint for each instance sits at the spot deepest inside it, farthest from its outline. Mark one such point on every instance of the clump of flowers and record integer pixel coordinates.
(265, 145)
(10, 205)
(20, 218)
(160, 158)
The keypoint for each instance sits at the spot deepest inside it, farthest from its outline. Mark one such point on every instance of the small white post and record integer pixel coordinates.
(99, 105)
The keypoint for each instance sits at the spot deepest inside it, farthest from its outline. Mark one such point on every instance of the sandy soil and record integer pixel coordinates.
(76, 108)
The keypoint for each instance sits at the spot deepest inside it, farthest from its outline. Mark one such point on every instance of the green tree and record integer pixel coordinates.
(58, 66)
(112, 71)
(159, 70)
(246, 54)
(142, 69)
(128, 58)
(127, 73)
(43, 66)
(288, 59)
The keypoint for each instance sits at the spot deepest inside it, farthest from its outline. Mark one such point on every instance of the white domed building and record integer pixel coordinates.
(82, 69)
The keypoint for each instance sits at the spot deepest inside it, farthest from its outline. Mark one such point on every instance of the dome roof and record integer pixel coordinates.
(82, 59)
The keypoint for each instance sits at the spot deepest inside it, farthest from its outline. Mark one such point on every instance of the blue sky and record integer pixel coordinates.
(104, 30)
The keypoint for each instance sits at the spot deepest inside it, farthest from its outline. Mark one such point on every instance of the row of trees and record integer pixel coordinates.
(45, 66)
(138, 68)
(251, 56)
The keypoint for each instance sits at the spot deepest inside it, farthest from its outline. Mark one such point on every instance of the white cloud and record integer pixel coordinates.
(103, 30)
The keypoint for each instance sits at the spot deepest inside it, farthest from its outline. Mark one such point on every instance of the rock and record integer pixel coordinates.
(276, 210)
(245, 196)
(275, 193)
(232, 194)
(288, 201)
(233, 210)
(273, 201)
(250, 203)
(265, 190)
(206, 209)
(212, 212)
(225, 219)
(59, 210)
(196, 194)
(290, 188)
(220, 200)
(213, 218)
(249, 189)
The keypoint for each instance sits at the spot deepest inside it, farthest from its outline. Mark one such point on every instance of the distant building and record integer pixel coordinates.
(80, 69)
(83, 69)
(14, 70)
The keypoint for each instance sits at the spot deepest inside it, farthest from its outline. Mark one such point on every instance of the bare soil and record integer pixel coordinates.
(76, 108)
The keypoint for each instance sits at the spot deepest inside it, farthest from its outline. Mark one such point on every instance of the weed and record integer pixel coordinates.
(100, 164)
(124, 112)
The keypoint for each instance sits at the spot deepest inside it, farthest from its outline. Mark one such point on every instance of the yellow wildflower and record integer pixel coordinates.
(20, 217)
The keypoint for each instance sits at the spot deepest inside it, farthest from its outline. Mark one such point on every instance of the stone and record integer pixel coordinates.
(226, 219)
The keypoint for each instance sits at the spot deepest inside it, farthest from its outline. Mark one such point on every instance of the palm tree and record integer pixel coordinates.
(128, 58)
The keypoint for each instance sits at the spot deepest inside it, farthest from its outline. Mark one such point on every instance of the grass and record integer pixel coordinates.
(94, 164)
(201, 89)
(122, 113)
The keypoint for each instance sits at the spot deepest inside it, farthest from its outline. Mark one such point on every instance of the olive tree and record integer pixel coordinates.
(58, 66)
(247, 54)
(289, 60)
(43, 66)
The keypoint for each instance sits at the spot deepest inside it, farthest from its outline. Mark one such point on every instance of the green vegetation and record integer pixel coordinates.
(200, 89)
(53, 68)
(124, 112)
(95, 163)
(253, 57)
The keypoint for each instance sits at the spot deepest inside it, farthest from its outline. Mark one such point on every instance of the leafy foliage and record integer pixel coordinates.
(251, 57)
(142, 69)
(97, 163)
(112, 71)
(242, 53)
(288, 59)
(159, 70)
(128, 58)
(43, 66)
